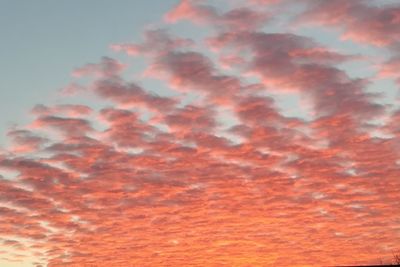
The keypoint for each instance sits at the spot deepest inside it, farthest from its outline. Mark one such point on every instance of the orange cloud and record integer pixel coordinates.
(218, 176)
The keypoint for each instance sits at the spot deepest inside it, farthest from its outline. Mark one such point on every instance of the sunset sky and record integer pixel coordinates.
(199, 133)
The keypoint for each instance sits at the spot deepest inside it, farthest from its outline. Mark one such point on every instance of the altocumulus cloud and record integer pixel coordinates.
(214, 171)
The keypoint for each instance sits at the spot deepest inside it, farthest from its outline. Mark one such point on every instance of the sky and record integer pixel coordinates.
(199, 133)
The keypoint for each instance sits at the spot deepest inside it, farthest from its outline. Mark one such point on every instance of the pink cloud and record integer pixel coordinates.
(24, 141)
(107, 68)
(360, 21)
(67, 109)
(187, 9)
(155, 40)
(219, 175)
(238, 19)
(65, 125)
(131, 94)
(389, 69)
